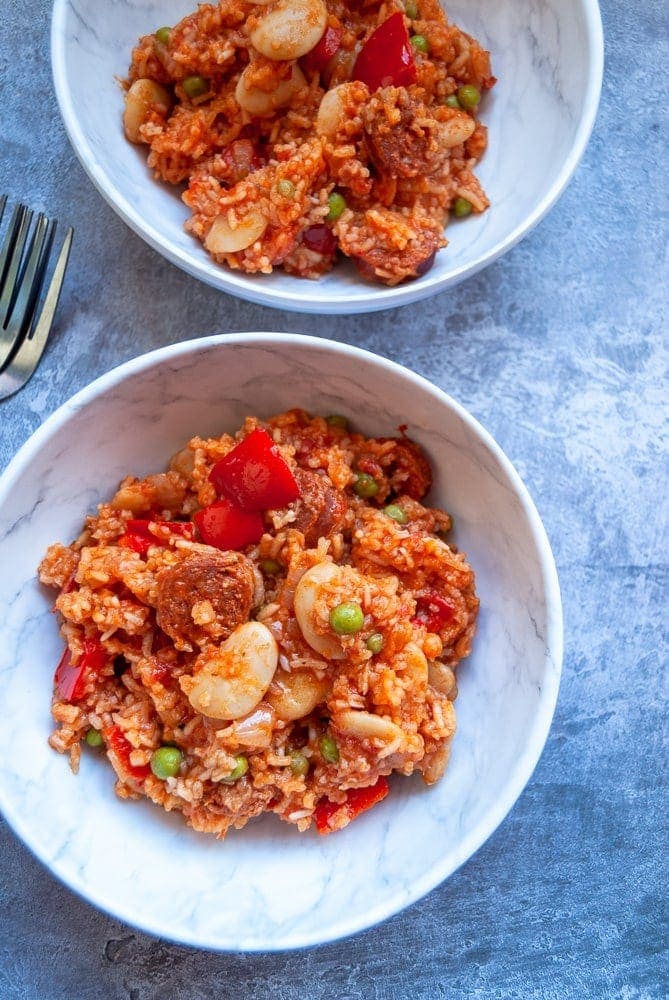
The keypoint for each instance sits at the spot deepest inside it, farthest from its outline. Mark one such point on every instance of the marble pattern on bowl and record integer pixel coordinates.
(548, 55)
(267, 887)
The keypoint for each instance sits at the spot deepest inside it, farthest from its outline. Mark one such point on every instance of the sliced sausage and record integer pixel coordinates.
(226, 580)
(401, 133)
(320, 509)
(388, 246)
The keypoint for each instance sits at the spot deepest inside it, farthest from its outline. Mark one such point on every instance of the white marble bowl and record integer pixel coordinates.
(547, 54)
(268, 887)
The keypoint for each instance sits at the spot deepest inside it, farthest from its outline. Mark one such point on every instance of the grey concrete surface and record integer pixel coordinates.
(560, 350)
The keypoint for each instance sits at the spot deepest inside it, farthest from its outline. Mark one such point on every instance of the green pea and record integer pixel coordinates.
(347, 618)
(163, 35)
(420, 43)
(166, 761)
(411, 10)
(286, 189)
(94, 738)
(195, 86)
(329, 750)
(365, 485)
(270, 567)
(469, 96)
(239, 770)
(462, 208)
(397, 513)
(299, 764)
(337, 204)
(375, 643)
(336, 420)
(452, 101)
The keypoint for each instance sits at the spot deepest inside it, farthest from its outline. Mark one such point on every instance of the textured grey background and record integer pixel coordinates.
(560, 350)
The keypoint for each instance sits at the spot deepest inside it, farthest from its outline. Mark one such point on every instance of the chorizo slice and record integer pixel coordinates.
(402, 135)
(388, 246)
(320, 509)
(205, 595)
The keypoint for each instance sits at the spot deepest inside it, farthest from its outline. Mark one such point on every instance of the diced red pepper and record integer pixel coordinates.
(321, 239)
(330, 43)
(226, 526)
(324, 811)
(94, 656)
(142, 533)
(119, 746)
(69, 584)
(254, 475)
(69, 679)
(66, 679)
(433, 611)
(136, 542)
(161, 673)
(156, 527)
(386, 58)
(243, 157)
(332, 816)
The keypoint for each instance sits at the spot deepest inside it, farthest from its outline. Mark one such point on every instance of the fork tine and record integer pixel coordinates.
(10, 257)
(23, 306)
(3, 202)
(8, 242)
(26, 359)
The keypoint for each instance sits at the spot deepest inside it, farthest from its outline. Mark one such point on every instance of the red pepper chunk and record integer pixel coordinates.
(141, 534)
(254, 475)
(226, 526)
(316, 60)
(121, 749)
(433, 611)
(69, 680)
(321, 239)
(386, 58)
(154, 527)
(137, 542)
(332, 816)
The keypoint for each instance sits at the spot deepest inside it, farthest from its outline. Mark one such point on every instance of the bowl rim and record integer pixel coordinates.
(537, 734)
(311, 299)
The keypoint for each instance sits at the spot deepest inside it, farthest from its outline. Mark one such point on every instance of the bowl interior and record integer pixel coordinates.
(546, 55)
(268, 887)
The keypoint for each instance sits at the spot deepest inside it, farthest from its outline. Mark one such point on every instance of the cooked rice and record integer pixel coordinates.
(113, 598)
(391, 153)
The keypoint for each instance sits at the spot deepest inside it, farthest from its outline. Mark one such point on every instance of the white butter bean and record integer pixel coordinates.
(434, 764)
(442, 679)
(225, 238)
(366, 726)
(307, 592)
(231, 680)
(456, 130)
(289, 29)
(296, 693)
(143, 96)
(262, 103)
(331, 112)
